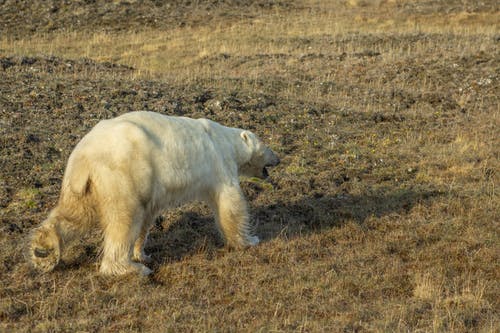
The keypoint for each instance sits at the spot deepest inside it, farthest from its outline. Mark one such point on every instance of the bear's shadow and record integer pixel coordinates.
(195, 233)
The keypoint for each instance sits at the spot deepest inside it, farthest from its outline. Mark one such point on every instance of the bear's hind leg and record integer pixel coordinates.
(60, 228)
(121, 230)
(231, 214)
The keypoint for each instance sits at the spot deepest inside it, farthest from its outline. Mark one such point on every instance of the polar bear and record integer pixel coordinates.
(126, 170)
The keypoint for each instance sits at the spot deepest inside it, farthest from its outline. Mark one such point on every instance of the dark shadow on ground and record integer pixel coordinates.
(316, 213)
(194, 233)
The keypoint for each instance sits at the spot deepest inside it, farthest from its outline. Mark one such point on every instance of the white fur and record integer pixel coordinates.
(127, 169)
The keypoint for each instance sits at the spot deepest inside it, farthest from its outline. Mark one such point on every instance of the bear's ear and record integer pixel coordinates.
(245, 135)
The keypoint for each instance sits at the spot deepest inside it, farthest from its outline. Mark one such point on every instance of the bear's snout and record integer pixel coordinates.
(272, 159)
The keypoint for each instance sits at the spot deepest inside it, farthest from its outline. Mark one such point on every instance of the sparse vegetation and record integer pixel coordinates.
(383, 215)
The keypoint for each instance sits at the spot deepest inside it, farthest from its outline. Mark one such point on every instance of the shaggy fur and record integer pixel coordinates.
(126, 170)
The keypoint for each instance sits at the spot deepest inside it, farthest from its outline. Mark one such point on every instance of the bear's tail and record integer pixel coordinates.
(76, 181)
(75, 210)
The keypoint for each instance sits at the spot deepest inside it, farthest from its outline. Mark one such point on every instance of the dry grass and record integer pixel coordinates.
(182, 53)
(383, 216)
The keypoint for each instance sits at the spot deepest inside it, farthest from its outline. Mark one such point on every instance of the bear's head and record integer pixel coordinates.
(259, 158)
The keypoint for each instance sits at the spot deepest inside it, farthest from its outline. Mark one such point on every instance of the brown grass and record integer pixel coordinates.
(383, 215)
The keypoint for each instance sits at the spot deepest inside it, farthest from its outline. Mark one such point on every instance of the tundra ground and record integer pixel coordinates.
(383, 215)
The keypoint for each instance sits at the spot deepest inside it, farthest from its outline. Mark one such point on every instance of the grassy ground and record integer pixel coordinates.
(383, 215)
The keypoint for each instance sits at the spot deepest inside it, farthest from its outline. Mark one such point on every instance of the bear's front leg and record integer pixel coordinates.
(231, 214)
(139, 255)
